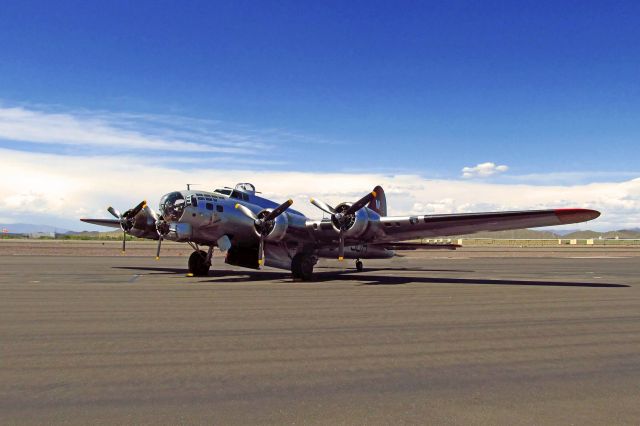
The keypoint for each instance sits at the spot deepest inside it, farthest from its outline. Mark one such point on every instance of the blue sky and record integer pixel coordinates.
(549, 90)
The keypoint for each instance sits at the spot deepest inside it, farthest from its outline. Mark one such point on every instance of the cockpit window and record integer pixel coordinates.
(223, 191)
(172, 206)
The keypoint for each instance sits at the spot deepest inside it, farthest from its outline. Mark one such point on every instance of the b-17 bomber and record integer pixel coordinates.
(254, 231)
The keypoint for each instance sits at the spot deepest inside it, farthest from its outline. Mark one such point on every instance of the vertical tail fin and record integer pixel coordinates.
(379, 204)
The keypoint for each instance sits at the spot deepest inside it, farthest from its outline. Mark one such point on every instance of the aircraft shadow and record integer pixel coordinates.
(153, 269)
(227, 274)
(385, 268)
(366, 278)
(373, 280)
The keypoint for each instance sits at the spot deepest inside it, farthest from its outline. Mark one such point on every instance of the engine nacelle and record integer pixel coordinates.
(277, 228)
(356, 224)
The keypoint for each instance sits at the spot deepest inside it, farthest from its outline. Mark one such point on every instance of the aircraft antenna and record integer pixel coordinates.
(189, 186)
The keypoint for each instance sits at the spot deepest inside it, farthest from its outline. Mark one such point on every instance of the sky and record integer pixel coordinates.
(452, 106)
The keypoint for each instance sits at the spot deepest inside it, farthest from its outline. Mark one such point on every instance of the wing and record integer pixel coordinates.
(113, 223)
(139, 221)
(412, 227)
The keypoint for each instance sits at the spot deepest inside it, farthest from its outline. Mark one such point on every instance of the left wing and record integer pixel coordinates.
(411, 227)
(140, 221)
(112, 223)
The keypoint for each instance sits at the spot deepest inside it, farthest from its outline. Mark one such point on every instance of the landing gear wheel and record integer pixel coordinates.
(302, 267)
(197, 265)
(359, 266)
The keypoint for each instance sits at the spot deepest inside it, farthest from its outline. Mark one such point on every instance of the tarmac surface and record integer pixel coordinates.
(467, 337)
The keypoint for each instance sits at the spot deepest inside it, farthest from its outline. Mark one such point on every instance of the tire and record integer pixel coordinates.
(197, 266)
(359, 266)
(295, 267)
(302, 267)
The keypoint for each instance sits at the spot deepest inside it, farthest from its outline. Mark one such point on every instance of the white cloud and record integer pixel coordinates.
(56, 187)
(18, 124)
(483, 170)
(48, 128)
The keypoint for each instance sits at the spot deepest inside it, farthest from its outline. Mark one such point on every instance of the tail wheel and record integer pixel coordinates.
(302, 267)
(197, 265)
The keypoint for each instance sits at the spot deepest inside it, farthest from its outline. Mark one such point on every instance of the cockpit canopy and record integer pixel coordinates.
(241, 191)
(246, 187)
(172, 206)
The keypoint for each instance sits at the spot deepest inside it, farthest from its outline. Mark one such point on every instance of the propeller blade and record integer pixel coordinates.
(360, 203)
(151, 213)
(261, 251)
(341, 246)
(124, 241)
(134, 211)
(114, 212)
(323, 206)
(246, 211)
(158, 249)
(278, 210)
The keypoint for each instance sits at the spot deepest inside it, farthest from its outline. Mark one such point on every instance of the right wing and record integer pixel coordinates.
(413, 227)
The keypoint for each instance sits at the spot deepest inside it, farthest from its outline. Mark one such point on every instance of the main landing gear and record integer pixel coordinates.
(359, 265)
(200, 262)
(302, 266)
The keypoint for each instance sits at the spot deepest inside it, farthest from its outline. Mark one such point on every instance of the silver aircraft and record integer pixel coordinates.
(253, 230)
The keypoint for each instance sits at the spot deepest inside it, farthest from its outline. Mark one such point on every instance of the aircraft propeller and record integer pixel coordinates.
(127, 219)
(162, 228)
(264, 222)
(342, 215)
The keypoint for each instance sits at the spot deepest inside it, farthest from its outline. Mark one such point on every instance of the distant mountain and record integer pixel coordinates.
(623, 234)
(28, 228)
(563, 232)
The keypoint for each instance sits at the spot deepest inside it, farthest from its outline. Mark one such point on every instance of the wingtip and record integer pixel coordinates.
(570, 215)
